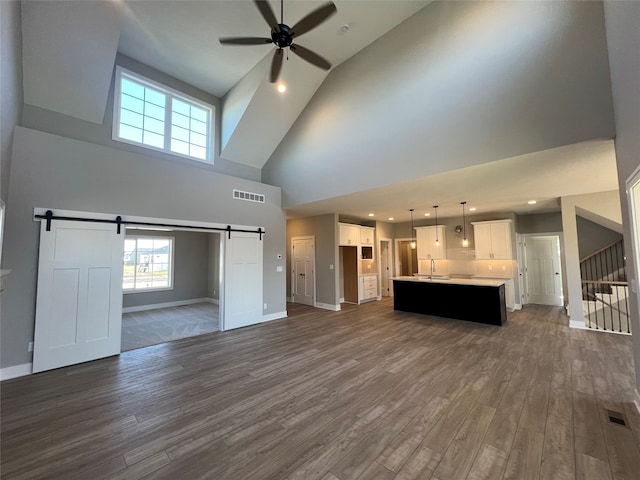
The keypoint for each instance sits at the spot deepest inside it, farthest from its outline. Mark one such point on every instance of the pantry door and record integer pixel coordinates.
(79, 299)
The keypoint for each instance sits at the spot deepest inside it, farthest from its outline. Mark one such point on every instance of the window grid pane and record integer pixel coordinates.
(147, 263)
(142, 119)
(189, 124)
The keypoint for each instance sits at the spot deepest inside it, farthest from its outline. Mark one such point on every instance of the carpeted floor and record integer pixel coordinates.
(150, 327)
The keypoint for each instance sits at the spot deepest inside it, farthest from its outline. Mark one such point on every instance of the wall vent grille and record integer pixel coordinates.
(248, 196)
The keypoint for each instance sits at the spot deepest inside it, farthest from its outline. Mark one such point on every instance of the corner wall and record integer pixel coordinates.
(11, 100)
(623, 38)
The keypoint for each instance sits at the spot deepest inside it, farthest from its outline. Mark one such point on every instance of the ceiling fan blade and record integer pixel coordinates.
(267, 14)
(276, 65)
(244, 41)
(310, 57)
(313, 19)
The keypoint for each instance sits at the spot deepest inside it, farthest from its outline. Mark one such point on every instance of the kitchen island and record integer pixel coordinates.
(475, 300)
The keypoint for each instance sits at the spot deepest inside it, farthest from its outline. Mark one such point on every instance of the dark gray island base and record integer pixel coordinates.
(480, 301)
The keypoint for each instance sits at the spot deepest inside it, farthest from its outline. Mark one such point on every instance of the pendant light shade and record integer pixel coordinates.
(435, 207)
(413, 240)
(465, 241)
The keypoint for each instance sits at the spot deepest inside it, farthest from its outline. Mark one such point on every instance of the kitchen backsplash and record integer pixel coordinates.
(461, 262)
(496, 268)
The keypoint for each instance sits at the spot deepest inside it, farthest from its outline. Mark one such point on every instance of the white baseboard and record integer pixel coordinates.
(16, 371)
(179, 303)
(328, 306)
(636, 401)
(212, 300)
(341, 300)
(274, 316)
(290, 299)
(578, 324)
(517, 306)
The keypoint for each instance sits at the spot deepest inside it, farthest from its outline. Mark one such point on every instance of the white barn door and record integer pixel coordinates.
(242, 304)
(79, 299)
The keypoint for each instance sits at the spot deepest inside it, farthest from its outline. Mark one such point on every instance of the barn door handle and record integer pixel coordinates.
(302, 274)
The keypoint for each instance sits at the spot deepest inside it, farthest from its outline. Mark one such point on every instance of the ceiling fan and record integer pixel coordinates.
(282, 35)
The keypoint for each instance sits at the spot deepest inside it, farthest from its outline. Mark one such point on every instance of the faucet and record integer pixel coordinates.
(433, 267)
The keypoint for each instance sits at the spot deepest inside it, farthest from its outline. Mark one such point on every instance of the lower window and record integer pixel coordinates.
(148, 264)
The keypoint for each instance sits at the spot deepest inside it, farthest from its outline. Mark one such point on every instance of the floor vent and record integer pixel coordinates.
(617, 418)
(248, 196)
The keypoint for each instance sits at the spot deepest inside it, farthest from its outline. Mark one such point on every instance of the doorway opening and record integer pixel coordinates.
(171, 286)
(406, 258)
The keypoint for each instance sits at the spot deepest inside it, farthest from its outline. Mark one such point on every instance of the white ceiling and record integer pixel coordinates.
(554, 63)
(180, 38)
(500, 186)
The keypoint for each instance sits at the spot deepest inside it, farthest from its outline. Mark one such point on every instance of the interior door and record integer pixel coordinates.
(544, 280)
(79, 299)
(303, 282)
(385, 269)
(242, 299)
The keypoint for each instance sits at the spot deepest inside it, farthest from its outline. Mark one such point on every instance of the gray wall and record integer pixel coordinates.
(213, 286)
(592, 237)
(539, 223)
(623, 37)
(100, 134)
(485, 80)
(11, 100)
(59, 173)
(324, 228)
(190, 269)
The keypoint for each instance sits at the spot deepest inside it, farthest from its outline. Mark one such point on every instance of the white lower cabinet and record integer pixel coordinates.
(368, 287)
(510, 294)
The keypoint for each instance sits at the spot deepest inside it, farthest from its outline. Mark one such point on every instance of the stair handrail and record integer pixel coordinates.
(591, 255)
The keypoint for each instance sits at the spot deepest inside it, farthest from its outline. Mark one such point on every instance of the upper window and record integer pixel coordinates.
(157, 117)
(148, 263)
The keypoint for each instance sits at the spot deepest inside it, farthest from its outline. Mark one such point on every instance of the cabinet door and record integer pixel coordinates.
(438, 252)
(482, 236)
(366, 236)
(349, 234)
(510, 294)
(423, 244)
(501, 241)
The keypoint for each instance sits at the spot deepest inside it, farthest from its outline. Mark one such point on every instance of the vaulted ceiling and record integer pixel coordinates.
(417, 89)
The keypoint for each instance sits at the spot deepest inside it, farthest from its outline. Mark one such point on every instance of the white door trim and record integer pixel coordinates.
(634, 223)
(390, 262)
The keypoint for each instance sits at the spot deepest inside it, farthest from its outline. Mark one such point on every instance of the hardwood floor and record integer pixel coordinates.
(365, 393)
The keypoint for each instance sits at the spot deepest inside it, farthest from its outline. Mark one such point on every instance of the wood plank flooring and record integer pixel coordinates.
(365, 393)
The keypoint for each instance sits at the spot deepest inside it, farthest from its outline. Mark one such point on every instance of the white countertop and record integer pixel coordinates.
(455, 281)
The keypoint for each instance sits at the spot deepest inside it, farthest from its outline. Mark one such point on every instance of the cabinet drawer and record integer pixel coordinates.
(370, 292)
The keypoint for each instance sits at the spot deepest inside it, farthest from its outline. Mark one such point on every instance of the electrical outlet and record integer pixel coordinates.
(30, 347)
(265, 306)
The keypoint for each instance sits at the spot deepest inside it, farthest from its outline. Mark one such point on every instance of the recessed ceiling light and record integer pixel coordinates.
(472, 209)
(371, 214)
(427, 214)
(391, 218)
(282, 87)
(531, 202)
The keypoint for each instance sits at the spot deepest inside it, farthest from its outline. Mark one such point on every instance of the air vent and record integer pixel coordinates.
(617, 418)
(248, 196)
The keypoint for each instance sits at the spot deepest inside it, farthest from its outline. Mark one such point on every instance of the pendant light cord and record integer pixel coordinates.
(281, 11)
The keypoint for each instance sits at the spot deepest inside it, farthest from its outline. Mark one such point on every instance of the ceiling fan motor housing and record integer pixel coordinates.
(282, 38)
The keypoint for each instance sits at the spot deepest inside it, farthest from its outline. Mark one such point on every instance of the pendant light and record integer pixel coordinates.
(435, 207)
(465, 241)
(413, 240)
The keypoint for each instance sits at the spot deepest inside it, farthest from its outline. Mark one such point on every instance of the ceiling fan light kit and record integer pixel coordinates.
(282, 35)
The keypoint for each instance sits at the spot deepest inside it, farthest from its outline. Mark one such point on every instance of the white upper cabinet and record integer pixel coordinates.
(493, 240)
(366, 235)
(349, 234)
(426, 243)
